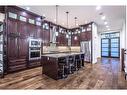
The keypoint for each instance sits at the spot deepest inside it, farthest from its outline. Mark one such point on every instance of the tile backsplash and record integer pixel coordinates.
(48, 49)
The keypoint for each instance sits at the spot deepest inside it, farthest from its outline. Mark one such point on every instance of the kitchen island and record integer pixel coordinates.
(60, 65)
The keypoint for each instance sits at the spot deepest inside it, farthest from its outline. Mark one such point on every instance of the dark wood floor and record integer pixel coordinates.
(105, 74)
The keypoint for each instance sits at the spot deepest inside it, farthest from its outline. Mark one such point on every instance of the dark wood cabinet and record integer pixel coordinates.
(32, 30)
(61, 39)
(39, 32)
(75, 40)
(17, 45)
(22, 29)
(46, 33)
(46, 37)
(86, 36)
(86, 32)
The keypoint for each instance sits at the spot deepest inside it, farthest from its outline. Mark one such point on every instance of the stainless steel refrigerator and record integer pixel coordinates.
(85, 47)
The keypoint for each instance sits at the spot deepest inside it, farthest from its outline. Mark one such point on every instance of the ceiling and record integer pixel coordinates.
(115, 15)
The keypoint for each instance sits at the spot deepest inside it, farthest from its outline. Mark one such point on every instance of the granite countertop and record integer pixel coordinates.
(62, 54)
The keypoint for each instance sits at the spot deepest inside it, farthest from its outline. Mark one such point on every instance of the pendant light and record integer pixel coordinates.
(67, 36)
(75, 38)
(56, 20)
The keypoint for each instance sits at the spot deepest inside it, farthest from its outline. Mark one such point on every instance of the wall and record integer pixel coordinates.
(126, 37)
(95, 45)
(122, 38)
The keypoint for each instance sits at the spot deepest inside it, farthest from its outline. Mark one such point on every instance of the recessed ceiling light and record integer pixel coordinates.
(98, 7)
(103, 17)
(86, 22)
(43, 15)
(107, 26)
(77, 24)
(55, 20)
(108, 29)
(105, 22)
(27, 8)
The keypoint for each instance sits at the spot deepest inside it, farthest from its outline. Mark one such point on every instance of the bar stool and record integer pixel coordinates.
(78, 58)
(77, 62)
(71, 64)
(62, 68)
(82, 60)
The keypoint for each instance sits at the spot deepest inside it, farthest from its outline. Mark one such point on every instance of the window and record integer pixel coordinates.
(45, 26)
(32, 21)
(110, 45)
(21, 18)
(12, 15)
(38, 23)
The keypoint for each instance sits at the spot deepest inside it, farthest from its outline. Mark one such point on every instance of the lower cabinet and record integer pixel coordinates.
(17, 54)
(16, 65)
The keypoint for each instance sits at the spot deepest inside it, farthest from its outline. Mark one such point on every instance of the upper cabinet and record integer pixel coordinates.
(86, 32)
(75, 37)
(62, 39)
(46, 33)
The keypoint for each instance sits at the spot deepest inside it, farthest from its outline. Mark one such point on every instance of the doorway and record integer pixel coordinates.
(110, 45)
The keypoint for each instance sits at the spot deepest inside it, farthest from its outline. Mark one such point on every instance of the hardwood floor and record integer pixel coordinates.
(105, 74)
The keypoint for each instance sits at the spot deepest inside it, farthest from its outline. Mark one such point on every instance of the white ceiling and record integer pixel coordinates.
(115, 15)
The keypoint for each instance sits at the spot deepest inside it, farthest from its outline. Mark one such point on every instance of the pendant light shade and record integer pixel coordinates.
(67, 36)
(56, 33)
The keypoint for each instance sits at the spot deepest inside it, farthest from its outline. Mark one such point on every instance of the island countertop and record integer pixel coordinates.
(57, 55)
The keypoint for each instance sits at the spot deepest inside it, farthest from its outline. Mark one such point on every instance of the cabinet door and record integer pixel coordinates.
(23, 47)
(12, 48)
(39, 32)
(22, 29)
(46, 38)
(75, 41)
(12, 26)
(31, 30)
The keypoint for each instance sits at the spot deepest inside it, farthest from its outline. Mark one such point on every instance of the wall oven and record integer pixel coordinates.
(34, 49)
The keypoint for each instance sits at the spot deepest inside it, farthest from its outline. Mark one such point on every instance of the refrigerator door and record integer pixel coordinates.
(1, 50)
(86, 49)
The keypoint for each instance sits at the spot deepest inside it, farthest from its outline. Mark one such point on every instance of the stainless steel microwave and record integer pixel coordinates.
(34, 42)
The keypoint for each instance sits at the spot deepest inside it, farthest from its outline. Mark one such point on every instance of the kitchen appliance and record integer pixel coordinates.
(1, 51)
(86, 49)
(34, 49)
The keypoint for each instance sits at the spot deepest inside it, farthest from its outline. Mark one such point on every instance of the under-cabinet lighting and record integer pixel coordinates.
(75, 38)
